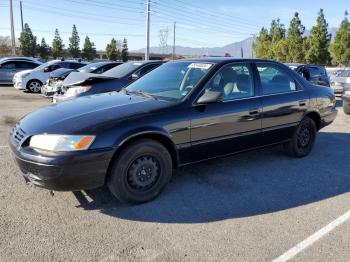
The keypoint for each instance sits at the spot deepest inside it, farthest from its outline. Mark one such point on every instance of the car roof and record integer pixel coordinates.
(21, 58)
(224, 59)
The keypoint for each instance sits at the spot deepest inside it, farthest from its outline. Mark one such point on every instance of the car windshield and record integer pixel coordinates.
(171, 81)
(343, 73)
(123, 70)
(90, 67)
(45, 65)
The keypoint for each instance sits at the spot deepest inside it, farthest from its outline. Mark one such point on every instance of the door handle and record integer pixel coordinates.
(302, 103)
(254, 112)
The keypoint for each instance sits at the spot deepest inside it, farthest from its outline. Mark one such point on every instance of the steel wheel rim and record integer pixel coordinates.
(304, 137)
(34, 86)
(143, 173)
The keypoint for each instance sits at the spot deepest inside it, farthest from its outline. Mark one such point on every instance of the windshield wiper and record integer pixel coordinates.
(140, 93)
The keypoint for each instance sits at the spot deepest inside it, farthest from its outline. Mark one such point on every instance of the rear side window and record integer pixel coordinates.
(9, 65)
(275, 80)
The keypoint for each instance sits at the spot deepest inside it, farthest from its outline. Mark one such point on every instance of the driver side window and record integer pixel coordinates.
(233, 81)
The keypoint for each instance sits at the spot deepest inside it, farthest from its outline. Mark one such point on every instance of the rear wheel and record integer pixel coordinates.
(34, 86)
(346, 108)
(303, 139)
(140, 172)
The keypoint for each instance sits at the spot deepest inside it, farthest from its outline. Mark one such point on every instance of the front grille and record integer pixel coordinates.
(18, 135)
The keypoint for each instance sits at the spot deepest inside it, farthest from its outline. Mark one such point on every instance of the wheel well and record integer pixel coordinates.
(165, 141)
(316, 117)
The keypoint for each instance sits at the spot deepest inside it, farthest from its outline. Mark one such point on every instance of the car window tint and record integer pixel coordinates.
(147, 69)
(274, 80)
(234, 81)
(75, 65)
(9, 65)
(28, 65)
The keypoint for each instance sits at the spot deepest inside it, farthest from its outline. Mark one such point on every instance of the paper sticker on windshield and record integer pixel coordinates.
(200, 65)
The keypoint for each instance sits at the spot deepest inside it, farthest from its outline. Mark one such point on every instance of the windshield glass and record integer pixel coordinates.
(122, 70)
(171, 81)
(90, 67)
(45, 65)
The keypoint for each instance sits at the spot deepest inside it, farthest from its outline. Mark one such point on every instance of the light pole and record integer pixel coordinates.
(148, 9)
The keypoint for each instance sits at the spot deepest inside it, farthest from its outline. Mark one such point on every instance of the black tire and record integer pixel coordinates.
(346, 108)
(303, 139)
(140, 171)
(34, 86)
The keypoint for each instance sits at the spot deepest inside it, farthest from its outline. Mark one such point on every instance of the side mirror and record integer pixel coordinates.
(47, 69)
(210, 97)
(135, 76)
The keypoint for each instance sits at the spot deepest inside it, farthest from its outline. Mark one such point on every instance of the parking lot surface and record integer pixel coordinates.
(250, 207)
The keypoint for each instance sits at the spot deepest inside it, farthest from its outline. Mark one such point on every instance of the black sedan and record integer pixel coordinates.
(180, 113)
(81, 84)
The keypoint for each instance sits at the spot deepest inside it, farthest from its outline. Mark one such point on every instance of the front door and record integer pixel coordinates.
(232, 125)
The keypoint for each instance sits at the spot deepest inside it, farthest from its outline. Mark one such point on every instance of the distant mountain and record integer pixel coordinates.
(233, 49)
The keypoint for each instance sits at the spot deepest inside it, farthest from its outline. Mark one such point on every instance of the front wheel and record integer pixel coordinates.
(303, 139)
(140, 172)
(34, 86)
(346, 108)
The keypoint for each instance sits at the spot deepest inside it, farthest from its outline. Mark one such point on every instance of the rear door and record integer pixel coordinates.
(284, 102)
(232, 125)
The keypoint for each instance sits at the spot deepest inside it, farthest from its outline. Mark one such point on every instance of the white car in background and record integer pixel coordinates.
(32, 80)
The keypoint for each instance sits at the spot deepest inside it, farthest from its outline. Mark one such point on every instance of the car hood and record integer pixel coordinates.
(86, 115)
(23, 72)
(80, 78)
(344, 80)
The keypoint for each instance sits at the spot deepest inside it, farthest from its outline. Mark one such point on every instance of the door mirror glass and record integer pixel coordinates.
(210, 97)
(47, 69)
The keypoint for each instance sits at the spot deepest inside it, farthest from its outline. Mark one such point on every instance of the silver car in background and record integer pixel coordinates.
(11, 65)
(341, 81)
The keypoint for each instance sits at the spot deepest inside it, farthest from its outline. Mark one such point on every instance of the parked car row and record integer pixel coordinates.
(179, 113)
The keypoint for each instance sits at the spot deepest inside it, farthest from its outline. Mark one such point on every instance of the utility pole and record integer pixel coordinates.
(253, 35)
(12, 30)
(148, 11)
(20, 5)
(174, 41)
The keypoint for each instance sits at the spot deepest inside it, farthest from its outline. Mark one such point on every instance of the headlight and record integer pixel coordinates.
(25, 75)
(61, 142)
(72, 91)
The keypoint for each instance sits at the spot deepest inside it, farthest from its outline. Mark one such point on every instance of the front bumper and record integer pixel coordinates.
(18, 84)
(66, 171)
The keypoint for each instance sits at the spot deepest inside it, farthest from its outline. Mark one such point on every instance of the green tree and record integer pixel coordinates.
(318, 42)
(89, 50)
(125, 50)
(278, 49)
(112, 50)
(74, 42)
(340, 48)
(57, 45)
(44, 49)
(262, 45)
(27, 41)
(295, 40)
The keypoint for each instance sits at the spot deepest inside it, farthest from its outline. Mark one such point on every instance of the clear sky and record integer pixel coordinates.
(200, 23)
